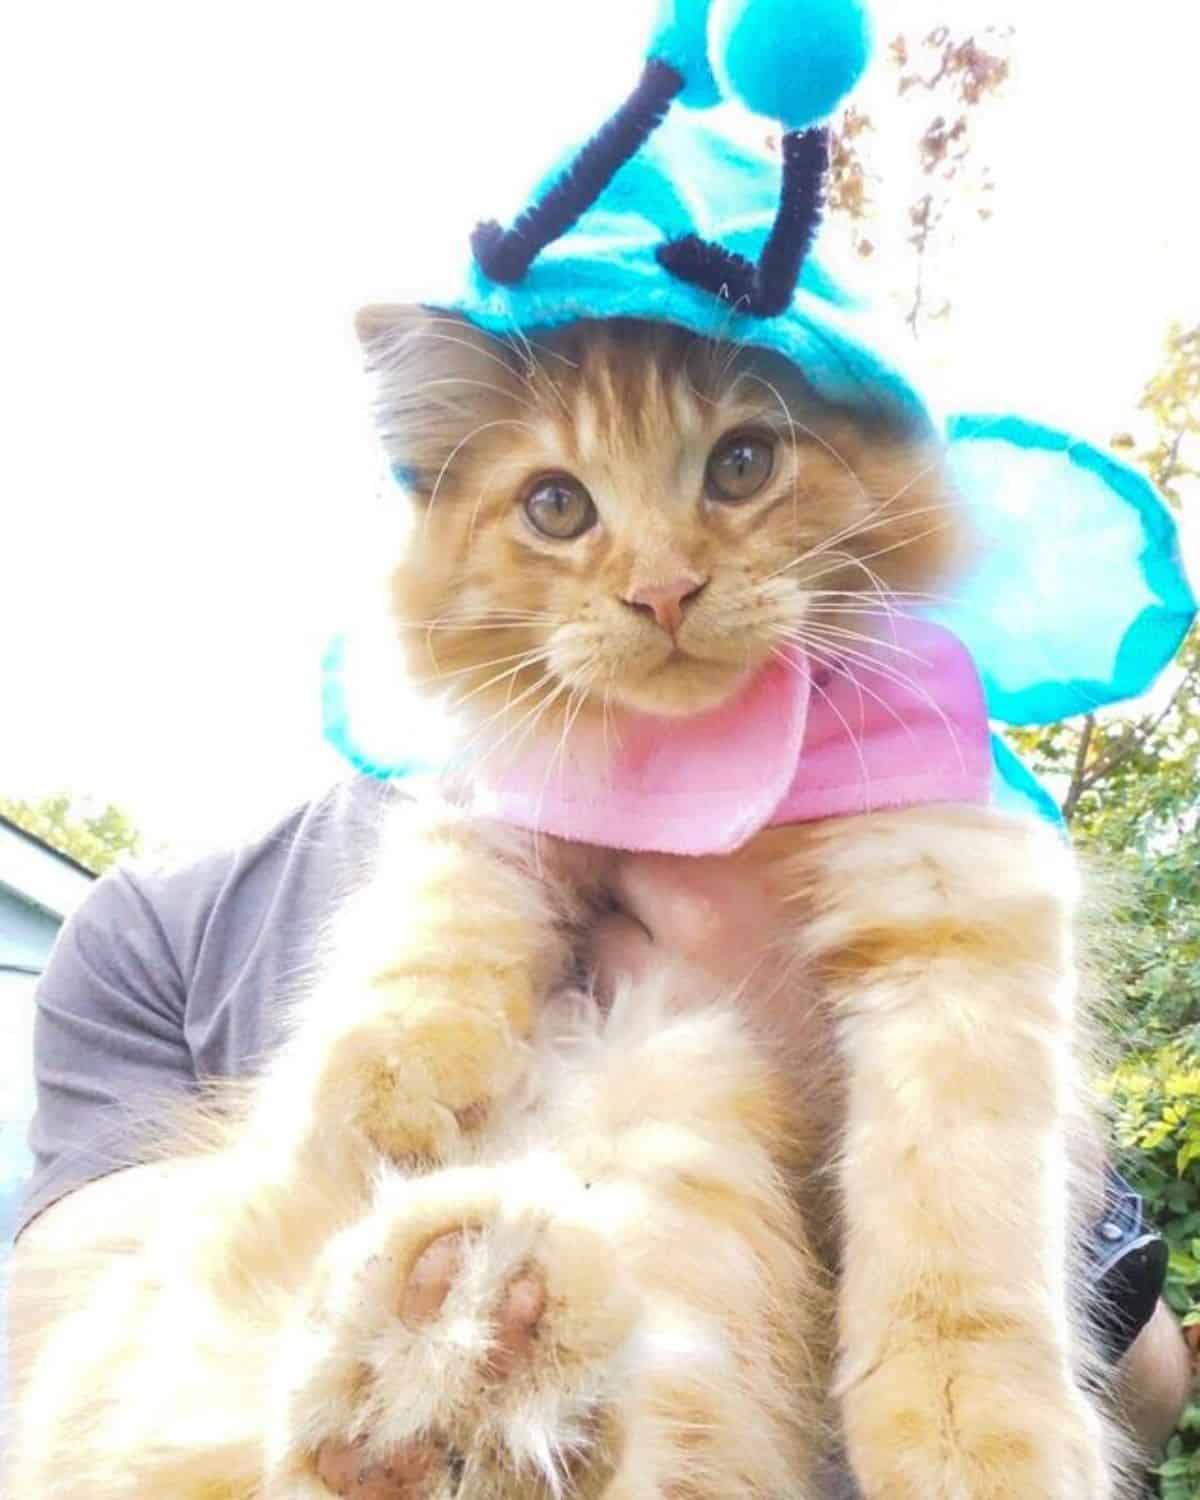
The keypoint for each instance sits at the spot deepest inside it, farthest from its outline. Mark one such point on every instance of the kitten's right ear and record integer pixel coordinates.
(387, 322)
(437, 375)
(389, 330)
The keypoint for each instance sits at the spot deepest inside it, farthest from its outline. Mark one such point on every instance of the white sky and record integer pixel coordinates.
(199, 196)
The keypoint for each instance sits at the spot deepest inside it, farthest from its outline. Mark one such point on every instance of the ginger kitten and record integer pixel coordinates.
(512, 1247)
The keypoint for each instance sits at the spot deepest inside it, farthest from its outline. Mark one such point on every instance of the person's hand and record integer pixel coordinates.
(710, 912)
(718, 914)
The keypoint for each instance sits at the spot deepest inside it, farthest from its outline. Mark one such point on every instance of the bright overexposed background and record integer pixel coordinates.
(196, 197)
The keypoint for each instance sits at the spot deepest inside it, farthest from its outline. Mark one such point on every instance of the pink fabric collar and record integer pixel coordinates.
(898, 726)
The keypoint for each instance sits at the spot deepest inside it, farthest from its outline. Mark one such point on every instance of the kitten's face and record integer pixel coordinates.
(628, 516)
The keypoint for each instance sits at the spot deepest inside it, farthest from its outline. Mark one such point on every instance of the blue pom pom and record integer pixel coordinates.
(680, 37)
(791, 60)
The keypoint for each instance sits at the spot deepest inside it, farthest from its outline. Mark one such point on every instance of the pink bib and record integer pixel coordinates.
(900, 724)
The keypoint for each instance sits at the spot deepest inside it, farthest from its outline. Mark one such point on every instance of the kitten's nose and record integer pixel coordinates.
(666, 601)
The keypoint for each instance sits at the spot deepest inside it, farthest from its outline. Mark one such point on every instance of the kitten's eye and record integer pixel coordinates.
(739, 466)
(560, 507)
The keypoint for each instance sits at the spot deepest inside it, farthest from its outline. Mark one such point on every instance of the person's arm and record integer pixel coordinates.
(1154, 1380)
(109, 1051)
(102, 1218)
(108, 1048)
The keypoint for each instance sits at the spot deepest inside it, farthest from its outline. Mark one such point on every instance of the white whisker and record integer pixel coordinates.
(893, 675)
(875, 522)
(791, 425)
(482, 385)
(457, 449)
(428, 333)
(905, 542)
(842, 634)
(535, 367)
(857, 743)
(482, 666)
(478, 622)
(862, 527)
(840, 667)
(849, 560)
(512, 672)
(575, 701)
(509, 704)
(531, 720)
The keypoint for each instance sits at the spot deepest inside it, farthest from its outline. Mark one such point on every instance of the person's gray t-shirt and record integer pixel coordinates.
(164, 980)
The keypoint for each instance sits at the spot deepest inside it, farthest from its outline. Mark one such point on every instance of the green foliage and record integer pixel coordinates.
(1171, 401)
(1130, 784)
(1156, 1098)
(1130, 790)
(95, 838)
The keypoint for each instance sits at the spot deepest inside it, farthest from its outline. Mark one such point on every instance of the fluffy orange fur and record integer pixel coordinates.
(651, 1182)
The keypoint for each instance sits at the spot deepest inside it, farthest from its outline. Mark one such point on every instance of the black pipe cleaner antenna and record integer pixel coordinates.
(504, 255)
(764, 288)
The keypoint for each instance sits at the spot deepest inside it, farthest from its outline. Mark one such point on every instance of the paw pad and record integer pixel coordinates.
(515, 1318)
(408, 1473)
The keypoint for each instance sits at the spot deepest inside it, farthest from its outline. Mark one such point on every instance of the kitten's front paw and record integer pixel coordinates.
(426, 1062)
(454, 1335)
(937, 1424)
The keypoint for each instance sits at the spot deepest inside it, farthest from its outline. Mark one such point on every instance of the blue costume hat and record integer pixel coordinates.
(1079, 598)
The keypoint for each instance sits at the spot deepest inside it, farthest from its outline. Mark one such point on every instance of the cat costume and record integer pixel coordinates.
(661, 216)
